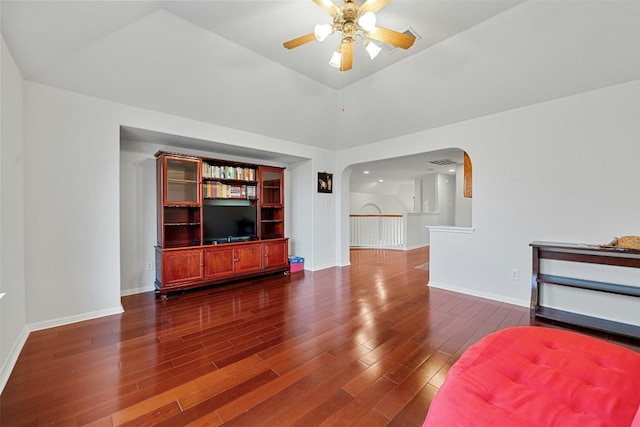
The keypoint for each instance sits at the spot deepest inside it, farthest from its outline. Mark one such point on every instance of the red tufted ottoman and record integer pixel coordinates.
(533, 376)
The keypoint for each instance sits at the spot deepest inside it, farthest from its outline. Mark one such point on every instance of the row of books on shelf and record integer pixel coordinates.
(218, 190)
(228, 172)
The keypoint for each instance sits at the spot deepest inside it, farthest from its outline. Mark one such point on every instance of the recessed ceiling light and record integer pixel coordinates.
(452, 170)
(381, 180)
(365, 172)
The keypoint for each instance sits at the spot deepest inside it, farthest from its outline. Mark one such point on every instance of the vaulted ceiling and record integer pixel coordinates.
(46, 32)
(223, 62)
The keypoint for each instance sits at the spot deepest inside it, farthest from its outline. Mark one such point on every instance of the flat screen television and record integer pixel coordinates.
(223, 224)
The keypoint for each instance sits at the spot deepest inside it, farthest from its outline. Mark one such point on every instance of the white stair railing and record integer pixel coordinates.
(376, 231)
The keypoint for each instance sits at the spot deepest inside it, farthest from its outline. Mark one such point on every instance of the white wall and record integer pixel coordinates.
(391, 196)
(560, 171)
(71, 207)
(13, 331)
(74, 142)
(361, 203)
(463, 204)
(565, 170)
(302, 190)
(440, 193)
(406, 195)
(418, 200)
(446, 197)
(429, 193)
(417, 233)
(322, 222)
(138, 224)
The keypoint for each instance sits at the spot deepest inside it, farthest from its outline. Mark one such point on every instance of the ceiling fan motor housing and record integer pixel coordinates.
(346, 19)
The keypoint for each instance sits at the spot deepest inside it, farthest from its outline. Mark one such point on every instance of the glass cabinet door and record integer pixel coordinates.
(271, 202)
(181, 182)
(271, 187)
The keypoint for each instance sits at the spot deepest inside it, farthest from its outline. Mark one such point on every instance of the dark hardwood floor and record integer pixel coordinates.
(365, 345)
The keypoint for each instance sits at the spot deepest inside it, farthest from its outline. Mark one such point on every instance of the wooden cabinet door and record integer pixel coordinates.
(219, 261)
(276, 254)
(182, 266)
(248, 258)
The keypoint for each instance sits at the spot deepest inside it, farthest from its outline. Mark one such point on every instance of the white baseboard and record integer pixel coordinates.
(73, 319)
(380, 248)
(9, 364)
(135, 291)
(418, 246)
(392, 248)
(475, 293)
(322, 267)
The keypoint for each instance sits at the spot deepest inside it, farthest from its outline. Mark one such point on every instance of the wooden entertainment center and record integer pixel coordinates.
(218, 221)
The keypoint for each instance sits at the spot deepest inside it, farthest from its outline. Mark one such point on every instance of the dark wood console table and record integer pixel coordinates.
(591, 254)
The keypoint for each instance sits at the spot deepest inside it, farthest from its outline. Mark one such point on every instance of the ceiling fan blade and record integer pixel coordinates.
(391, 37)
(373, 5)
(328, 5)
(347, 56)
(299, 41)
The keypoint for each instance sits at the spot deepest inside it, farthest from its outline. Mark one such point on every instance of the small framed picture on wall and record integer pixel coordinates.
(325, 182)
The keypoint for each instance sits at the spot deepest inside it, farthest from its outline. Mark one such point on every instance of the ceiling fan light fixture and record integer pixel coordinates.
(367, 21)
(336, 60)
(372, 49)
(322, 31)
(353, 19)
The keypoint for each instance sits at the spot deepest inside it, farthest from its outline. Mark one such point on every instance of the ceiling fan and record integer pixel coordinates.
(353, 21)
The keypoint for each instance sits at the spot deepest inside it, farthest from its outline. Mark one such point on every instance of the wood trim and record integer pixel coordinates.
(468, 177)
